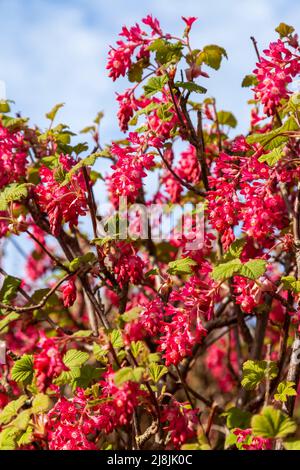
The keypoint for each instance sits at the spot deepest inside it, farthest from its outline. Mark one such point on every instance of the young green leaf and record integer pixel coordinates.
(51, 114)
(254, 372)
(224, 271)
(155, 84)
(181, 266)
(284, 30)
(157, 371)
(22, 370)
(272, 157)
(74, 358)
(191, 86)
(284, 390)
(9, 289)
(249, 80)
(272, 423)
(11, 409)
(41, 403)
(226, 118)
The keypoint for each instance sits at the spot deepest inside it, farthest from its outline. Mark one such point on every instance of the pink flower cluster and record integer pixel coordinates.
(274, 73)
(48, 363)
(250, 442)
(130, 167)
(62, 203)
(13, 156)
(180, 422)
(179, 335)
(121, 58)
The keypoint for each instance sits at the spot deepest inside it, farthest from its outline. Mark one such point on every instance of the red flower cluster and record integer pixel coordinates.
(274, 74)
(48, 364)
(62, 203)
(13, 156)
(180, 422)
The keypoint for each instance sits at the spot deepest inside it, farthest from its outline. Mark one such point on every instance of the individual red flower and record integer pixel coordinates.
(69, 292)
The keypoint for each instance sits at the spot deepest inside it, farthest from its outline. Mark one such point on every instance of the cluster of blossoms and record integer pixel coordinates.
(72, 423)
(48, 363)
(120, 59)
(249, 442)
(14, 153)
(61, 202)
(181, 423)
(129, 170)
(275, 72)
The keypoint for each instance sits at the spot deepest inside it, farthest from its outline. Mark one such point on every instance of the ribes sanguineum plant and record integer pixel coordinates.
(183, 340)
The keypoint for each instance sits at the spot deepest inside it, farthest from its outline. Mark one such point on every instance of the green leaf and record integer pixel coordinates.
(13, 124)
(26, 437)
(155, 84)
(272, 157)
(9, 289)
(51, 115)
(86, 259)
(87, 375)
(131, 314)
(237, 418)
(4, 106)
(166, 52)
(285, 389)
(8, 438)
(22, 370)
(116, 338)
(11, 409)
(128, 374)
(224, 271)
(100, 353)
(253, 269)
(191, 86)
(284, 30)
(291, 444)
(273, 139)
(212, 56)
(74, 358)
(13, 192)
(82, 334)
(22, 420)
(272, 423)
(254, 372)
(87, 161)
(12, 316)
(181, 266)
(137, 347)
(231, 440)
(235, 250)
(135, 72)
(41, 403)
(153, 357)
(249, 80)
(291, 283)
(226, 118)
(157, 371)
(67, 376)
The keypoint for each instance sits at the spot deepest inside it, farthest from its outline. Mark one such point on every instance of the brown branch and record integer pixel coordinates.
(182, 182)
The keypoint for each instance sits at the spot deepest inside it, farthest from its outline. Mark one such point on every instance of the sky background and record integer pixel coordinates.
(55, 51)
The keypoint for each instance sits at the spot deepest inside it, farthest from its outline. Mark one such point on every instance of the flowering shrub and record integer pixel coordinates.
(147, 342)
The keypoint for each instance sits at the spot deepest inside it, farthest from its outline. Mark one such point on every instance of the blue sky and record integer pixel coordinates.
(55, 51)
